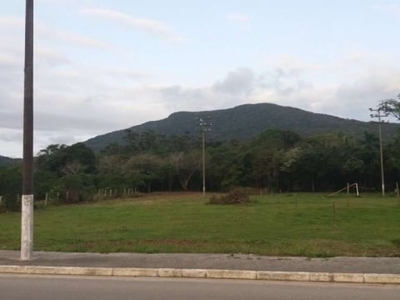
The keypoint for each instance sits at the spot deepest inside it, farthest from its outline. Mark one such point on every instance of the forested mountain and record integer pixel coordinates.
(244, 122)
(7, 160)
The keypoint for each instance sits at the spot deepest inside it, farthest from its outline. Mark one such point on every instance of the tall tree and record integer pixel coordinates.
(267, 155)
(391, 106)
(186, 165)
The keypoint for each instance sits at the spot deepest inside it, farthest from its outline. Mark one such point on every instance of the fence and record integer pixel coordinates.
(13, 202)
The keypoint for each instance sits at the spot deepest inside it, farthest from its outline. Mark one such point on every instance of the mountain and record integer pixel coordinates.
(243, 122)
(7, 160)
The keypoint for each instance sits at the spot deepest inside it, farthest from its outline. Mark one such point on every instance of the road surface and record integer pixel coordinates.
(18, 287)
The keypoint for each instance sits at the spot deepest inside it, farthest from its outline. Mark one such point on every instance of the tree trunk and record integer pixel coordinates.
(185, 181)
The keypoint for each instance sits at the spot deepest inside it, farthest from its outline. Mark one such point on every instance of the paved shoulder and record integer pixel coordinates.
(222, 266)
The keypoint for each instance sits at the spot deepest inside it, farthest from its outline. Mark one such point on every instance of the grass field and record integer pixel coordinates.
(298, 225)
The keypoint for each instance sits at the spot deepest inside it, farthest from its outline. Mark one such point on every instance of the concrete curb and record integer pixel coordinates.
(203, 273)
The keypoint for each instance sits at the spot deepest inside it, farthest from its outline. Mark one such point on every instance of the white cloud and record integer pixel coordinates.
(150, 26)
(44, 32)
(240, 81)
(348, 98)
(81, 41)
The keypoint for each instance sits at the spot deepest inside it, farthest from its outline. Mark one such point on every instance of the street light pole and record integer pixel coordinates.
(27, 176)
(204, 163)
(380, 115)
(205, 126)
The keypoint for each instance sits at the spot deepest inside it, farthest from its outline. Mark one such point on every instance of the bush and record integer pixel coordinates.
(237, 196)
(10, 203)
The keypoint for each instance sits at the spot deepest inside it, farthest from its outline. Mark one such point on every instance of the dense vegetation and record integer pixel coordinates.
(7, 161)
(274, 161)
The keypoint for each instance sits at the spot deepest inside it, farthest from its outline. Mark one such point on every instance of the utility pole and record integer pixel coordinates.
(379, 115)
(205, 126)
(27, 176)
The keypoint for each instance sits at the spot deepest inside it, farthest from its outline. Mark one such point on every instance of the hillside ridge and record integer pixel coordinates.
(245, 121)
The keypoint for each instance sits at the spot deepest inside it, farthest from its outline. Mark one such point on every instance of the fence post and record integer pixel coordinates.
(1, 198)
(45, 200)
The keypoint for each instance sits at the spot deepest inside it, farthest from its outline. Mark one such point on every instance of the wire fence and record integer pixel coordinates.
(12, 202)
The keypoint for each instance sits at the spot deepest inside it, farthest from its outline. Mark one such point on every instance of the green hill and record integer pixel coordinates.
(246, 121)
(7, 160)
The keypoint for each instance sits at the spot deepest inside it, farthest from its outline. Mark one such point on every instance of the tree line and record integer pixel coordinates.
(275, 160)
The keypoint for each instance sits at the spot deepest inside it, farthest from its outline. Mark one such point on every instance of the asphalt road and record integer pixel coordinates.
(18, 287)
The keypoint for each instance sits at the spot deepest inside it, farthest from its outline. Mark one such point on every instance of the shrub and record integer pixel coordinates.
(10, 203)
(237, 196)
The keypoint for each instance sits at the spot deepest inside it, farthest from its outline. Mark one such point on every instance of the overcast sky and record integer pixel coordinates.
(104, 65)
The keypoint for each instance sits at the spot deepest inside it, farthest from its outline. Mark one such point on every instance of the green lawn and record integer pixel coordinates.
(299, 225)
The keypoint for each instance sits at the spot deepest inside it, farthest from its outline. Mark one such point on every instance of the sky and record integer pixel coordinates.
(103, 65)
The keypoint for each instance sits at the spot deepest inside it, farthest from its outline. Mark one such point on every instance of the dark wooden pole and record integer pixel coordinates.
(27, 176)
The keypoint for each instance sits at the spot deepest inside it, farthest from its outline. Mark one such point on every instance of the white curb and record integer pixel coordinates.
(202, 273)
